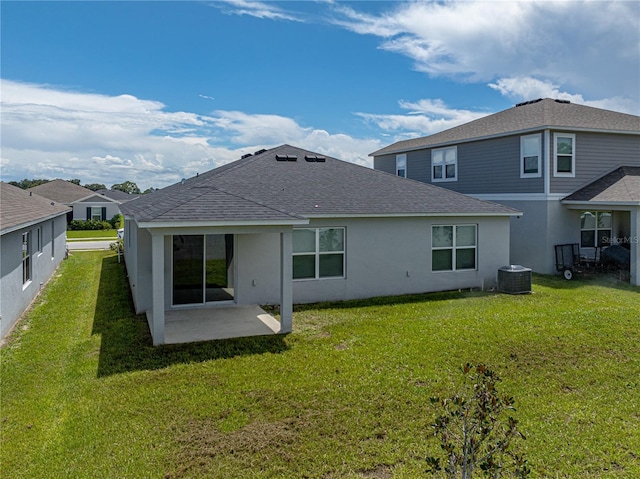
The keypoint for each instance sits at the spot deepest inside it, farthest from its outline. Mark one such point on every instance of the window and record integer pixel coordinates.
(318, 253)
(595, 228)
(530, 154)
(53, 239)
(401, 165)
(96, 213)
(453, 247)
(564, 154)
(39, 240)
(444, 164)
(26, 257)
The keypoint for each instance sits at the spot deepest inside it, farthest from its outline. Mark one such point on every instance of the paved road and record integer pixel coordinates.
(89, 245)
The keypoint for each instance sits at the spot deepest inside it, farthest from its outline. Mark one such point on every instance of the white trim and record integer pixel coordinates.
(443, 164)
(538, 173)
(547, 161)
(317, 253)
(454, 248)
(402, 159)
(564, 174)
(608, 204)
(519, 196)
(204, 224)
(501, 135)
(409, 215)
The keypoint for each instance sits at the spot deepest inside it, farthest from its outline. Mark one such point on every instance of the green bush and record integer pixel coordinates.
(117, 221)
(89, 225)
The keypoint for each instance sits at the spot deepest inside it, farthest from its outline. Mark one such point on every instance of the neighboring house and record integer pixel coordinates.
(571, 169)
(32, 245)
(85, 204)
(288, 226)
(117, 195)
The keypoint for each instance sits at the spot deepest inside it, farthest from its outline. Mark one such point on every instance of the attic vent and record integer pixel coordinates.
(286, 158)
(562, 101)
(259, 152)
(246, 156)
(531, 102)
(313, 158)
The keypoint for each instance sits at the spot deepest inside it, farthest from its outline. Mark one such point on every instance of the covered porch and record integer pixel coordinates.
(616, 194)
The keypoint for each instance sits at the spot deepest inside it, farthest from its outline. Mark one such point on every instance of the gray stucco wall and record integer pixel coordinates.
(14, 296)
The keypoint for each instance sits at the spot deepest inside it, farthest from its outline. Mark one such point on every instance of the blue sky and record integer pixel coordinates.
(156, 91)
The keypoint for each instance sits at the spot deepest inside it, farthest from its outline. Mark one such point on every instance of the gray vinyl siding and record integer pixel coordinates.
(484, 167)
(596, 155)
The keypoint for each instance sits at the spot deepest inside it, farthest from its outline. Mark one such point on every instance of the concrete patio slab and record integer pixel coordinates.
(218, 322)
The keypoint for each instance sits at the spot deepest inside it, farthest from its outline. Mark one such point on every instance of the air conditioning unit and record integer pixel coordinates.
(514, 279)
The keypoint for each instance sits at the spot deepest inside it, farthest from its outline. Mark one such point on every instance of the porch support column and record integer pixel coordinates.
(635, 246)
(157, 289)
(286, 282)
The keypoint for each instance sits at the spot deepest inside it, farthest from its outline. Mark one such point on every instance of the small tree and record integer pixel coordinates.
(127, 187)
(473, 432)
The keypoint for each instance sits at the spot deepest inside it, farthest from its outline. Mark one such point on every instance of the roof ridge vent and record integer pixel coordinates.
(246, 156)
(315, 158)
(562, 101)
(286, 158)
(530, 102)
(259, 152)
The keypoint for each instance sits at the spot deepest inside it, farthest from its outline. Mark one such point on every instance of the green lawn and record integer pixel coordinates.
(85, 234)
(85, 395)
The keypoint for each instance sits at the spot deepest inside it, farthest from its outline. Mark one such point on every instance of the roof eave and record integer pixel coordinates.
(28, 224)
(411, 215)
(220, 223)
(501, 135)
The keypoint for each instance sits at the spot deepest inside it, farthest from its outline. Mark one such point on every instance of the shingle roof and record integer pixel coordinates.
(538, 114)
(620, 186)
(62, 191)
(117, 195)
(262, 188)
(19, 208)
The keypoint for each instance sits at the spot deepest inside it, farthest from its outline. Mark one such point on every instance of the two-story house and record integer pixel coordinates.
(573, 170)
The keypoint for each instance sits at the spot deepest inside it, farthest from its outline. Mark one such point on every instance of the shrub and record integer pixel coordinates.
(117, 221)
(89, 225)
(473, 432)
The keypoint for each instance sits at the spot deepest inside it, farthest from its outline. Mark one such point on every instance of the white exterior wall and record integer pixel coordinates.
(15, 297)
(80, 209)
(388, 256)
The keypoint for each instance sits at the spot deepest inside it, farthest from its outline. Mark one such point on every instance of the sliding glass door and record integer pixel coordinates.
(202, 269)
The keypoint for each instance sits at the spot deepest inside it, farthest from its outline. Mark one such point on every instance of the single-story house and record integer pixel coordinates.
(85, 204)
(287, 225)
(32, 245)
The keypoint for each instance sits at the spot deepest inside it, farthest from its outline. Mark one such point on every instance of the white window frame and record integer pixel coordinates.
(401, 165)
(53, 239)
(443, 164)
(564, 174)
(39, 240)
(94, 215)
(454, 248)
(27, 260)
(317, 253)
(523, 139)
(597, 230)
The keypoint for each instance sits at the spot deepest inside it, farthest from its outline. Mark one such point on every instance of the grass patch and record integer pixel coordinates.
(84, 394)
(88, 234)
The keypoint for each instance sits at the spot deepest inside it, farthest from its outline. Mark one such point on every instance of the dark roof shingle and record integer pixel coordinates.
(20, 208)
(620, 186)
(62, 191)
(261, 187)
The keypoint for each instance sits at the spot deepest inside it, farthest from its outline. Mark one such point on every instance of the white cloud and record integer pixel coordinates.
(51, 133)
(593, 47)
(256, 9)
(424, 117)
(527, 88)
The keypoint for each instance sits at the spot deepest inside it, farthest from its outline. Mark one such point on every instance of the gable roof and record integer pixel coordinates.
(62, 191)
(289, 184)
(622, 185)
(117, 195)
(528, 116)
(20, 208)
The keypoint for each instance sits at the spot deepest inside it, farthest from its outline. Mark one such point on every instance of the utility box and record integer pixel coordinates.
(514, 279)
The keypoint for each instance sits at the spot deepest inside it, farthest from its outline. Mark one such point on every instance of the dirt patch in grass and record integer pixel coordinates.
(202, 444)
